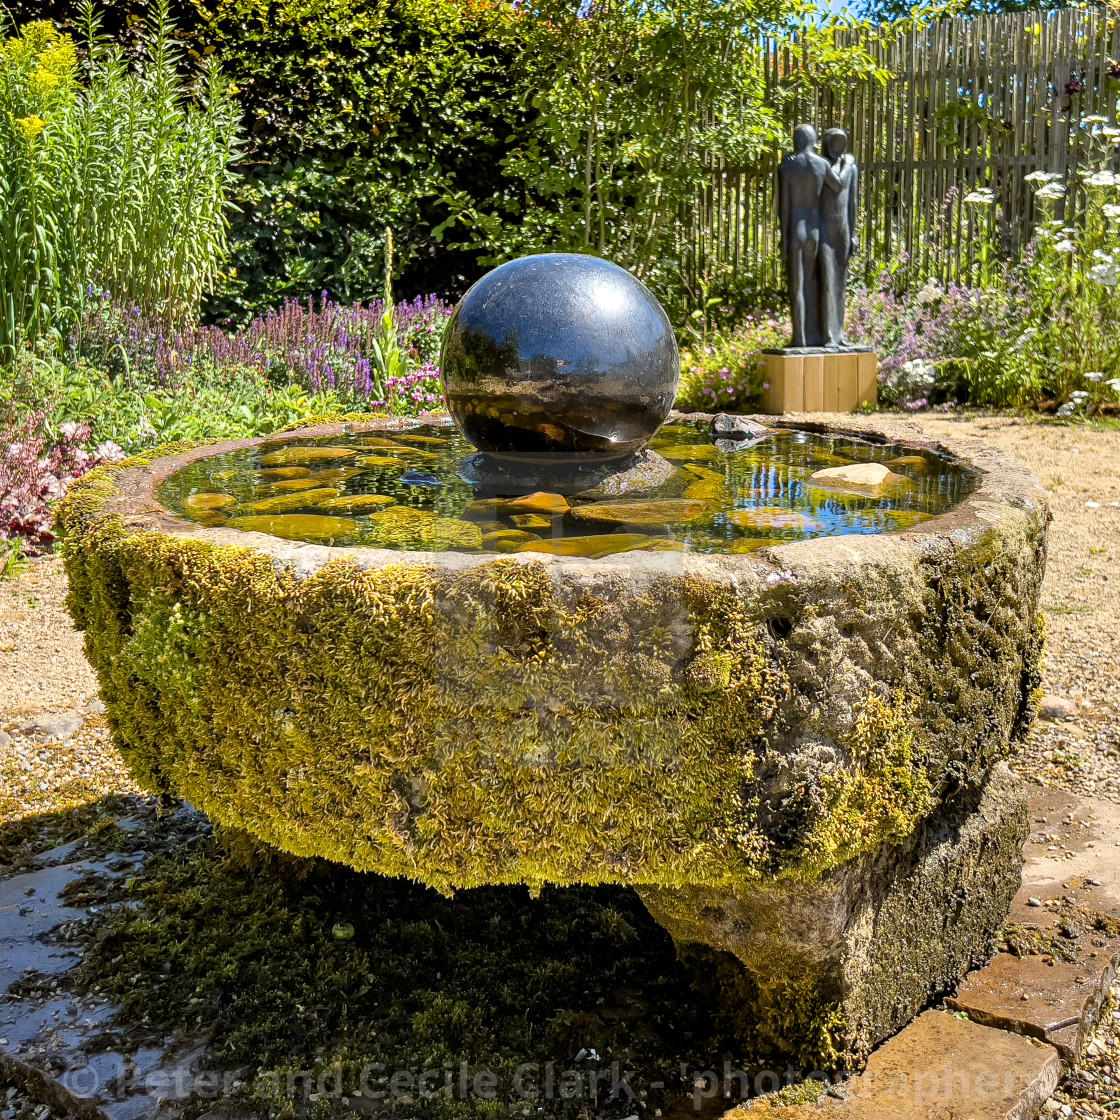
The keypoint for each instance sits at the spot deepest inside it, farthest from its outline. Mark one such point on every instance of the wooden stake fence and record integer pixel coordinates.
(974, 102)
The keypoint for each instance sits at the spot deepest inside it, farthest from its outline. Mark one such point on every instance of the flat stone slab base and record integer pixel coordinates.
(939, 1068)
(839, 965)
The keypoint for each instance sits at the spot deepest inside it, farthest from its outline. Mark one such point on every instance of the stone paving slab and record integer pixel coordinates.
(1073, 851)
(939, 1068)
(1055, 1002)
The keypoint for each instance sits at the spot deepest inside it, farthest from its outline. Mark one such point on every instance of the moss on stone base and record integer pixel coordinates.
(671, 720)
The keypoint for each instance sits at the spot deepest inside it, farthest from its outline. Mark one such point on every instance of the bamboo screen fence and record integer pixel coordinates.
(979, 101)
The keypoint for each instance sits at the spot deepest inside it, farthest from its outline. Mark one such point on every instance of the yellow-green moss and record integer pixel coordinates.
(880, 795)
(495, 724)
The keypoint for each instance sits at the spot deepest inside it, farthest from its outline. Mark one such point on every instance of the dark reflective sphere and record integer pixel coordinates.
(559, 353)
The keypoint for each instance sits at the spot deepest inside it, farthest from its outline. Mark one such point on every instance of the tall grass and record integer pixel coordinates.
(116, 185)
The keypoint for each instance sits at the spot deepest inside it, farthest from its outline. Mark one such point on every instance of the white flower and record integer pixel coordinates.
(1110, 133)
(1066, 409)
(1106, 274)
(1027, 335)
(1079, 395)
(982, 196)
(930, 292)
(919, 370)
(1114, 384)
(1096, 118)
(1111, 210)
(1101, 179)
(1042, 176)
(1094, 377)
(1064, 246)
(1051, 190)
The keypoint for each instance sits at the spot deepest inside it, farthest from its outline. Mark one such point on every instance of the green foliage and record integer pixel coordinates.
(722, 368)
(202, 404)
(635, 105)
(361, 114)
(12, 560)
(119, 184)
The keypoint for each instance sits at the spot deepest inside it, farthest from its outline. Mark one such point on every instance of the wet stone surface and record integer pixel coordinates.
(68, 1048)
(708, 496)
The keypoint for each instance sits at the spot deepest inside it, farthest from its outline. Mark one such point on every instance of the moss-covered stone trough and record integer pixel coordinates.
(794, 754)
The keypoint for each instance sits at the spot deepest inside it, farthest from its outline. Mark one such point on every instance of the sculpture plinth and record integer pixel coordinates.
(818, 380)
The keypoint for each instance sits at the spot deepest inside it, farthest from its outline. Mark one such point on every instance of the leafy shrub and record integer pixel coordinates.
(722, 369)
(944, 344)
(119, 183)
(1041, 329)
(362, 114)
(33, 475)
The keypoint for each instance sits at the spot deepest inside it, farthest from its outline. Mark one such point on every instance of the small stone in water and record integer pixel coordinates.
(772, 517)
(667, 512)
(531, 521)
(706, 490)
(599, 544)
(379, 461)
(516, 535)
(296, 456)
(343, 931)
(540, 502)
(356, 503)
(294, 485)
(753, 544)
(335, 475)
(860, 478)
(286, 502)
(284, 472)
(196, 503)
(695, 453)
(298, 526)
(423, 439)
(914, 462)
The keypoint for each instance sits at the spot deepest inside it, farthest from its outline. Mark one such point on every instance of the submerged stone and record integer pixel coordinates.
(356, 503)
(540, 502)
(430, 440)
(335, 475)
(294, 485)
(531, 521)
(285, 502)
(691, 453)
(772, 517)
(380, 461)
(912, 462)
(514, 535)
(704, 473)
(297, 456)
(860, 478)
(664, 544)
(753, 544)
(670, 511)
(406, 528)
(200, 503)
(274, 473)
(647, 472)
(297, 526)
(599, 544)
(707, 490)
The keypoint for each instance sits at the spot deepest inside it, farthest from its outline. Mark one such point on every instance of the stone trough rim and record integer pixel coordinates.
(1006, 489)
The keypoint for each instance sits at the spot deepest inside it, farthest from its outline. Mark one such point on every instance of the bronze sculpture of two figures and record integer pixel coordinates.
(818, 196)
